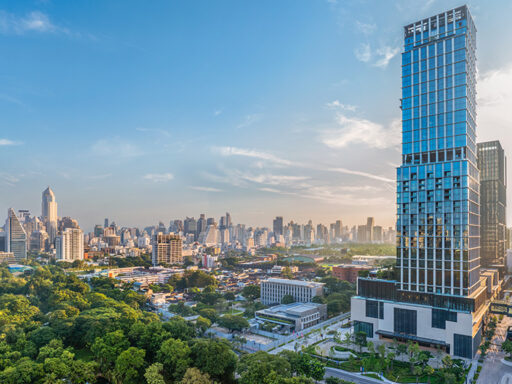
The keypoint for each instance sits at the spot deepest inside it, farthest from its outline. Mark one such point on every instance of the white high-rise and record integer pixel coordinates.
(70, 245)
(49, 213)
(16, 237)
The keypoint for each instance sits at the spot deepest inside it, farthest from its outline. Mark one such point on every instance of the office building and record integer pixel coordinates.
(70, 245)
(278, 227)
(16, 237)
(49, 213)
(493, 202)
(273, 290)
(439, 298)
(167, 249)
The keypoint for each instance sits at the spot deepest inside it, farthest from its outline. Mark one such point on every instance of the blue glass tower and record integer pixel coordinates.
(438, 230)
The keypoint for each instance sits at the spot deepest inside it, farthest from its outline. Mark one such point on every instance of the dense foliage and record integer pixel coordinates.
(56, 328)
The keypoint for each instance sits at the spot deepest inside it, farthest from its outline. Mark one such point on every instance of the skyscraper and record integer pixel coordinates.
(70, 245)
(49, 213)
(16, 238)
(437, 297)
(278, 227)
(493, 202)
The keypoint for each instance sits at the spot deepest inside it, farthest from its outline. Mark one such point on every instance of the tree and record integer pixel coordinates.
(360, 340)
(310, 367)
(447, 362)
(507, 348)
(202, 324)
(107, 349)
(287, 273)
(287, 299)
(449, 378)
(233, 322)
(154, 374)
(215, 358)
(195, 376)
(417, 371)
(318, 300)
(175, 357)
(129, 365)
(257, 367)
(428, 371)
(230, 296)
(251, 292)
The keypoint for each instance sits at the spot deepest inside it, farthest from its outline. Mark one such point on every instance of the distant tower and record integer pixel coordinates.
(49, 213)
(106, 223)
(16, 236)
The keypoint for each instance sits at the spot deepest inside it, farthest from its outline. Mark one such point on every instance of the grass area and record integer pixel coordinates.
(372, 375)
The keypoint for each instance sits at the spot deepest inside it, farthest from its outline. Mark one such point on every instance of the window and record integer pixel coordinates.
(440, 317)
(361, 326)
(405, 321)
(462, 346)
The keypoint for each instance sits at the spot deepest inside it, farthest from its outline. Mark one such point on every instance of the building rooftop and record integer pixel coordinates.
(294, 309)
(311, 284)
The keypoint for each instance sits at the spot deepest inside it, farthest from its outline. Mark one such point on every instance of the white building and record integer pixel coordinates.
(273, 290)
(16, 237)
(70, 245)
(49, 213)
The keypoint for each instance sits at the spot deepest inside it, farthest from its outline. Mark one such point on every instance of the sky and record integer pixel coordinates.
(151, 111)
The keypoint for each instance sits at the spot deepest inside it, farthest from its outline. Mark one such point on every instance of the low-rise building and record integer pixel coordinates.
(273, 290)
(293, 317)
(349, 272)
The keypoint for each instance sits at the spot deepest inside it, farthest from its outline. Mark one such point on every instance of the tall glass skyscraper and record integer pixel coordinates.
(492, 164)
(438, 186)
(438, 298)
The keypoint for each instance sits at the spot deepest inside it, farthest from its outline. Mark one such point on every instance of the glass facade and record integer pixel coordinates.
(405, 321)
(438, 234)
(493, 203)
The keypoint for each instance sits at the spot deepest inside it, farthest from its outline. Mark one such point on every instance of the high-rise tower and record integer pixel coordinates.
(492, 164)
(437, 297)
(16, 237)
(49, 213)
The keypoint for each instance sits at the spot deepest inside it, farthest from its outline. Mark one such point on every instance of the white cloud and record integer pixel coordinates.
(385, 54)
(379, 57)
(115, 147)
(217, 112)
(363, 53)
(8, 179)
(159, 177)
(205, 189)
(354, 130)
(337, 105)
(7, 142)
(366, 28)
(494, 101)
(234, 151)
(34, 21)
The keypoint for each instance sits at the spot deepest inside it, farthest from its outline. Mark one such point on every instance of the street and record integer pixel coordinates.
(493, 370)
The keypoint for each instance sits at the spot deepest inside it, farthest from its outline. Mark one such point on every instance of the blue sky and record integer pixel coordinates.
(144, 111)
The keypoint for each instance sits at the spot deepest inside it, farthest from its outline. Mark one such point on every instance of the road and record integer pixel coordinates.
(493, 371)
(354, 377)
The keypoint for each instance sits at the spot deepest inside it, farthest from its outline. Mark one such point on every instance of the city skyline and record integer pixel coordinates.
(169, 146)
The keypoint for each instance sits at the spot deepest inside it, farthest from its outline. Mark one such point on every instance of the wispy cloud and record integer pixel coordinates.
(115, 147)
(8, 179)
(354, 130)
(205, 189)
(159, 177)
(363, 52)
(217, 112)
(363, 174)
(337, 105)
(7, 142)
(34, 21)
(366, 28)
(249, 120)
(162, 132)
(234, 151)
(379, 57)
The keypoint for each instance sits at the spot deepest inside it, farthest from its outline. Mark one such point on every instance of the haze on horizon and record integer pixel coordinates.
(146, 114)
